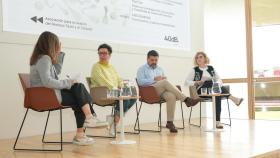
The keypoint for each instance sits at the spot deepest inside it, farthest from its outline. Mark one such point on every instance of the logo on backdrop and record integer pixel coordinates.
(37, 19)
(171, 39)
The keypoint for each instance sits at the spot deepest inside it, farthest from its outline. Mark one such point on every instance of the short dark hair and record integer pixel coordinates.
(108, 47)
(152, 53)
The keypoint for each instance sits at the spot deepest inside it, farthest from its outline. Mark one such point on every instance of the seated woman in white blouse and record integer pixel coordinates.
(202, 76)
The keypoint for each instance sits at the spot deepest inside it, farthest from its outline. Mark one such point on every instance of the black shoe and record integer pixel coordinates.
(171, 127)
(191, 102)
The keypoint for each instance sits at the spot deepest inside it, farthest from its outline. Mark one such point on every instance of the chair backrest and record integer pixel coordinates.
(98, 94)
(88, 81)
(193, 91)
(179, 88)
(24, 80)
(227, 88)
(137, 82)
(38, 98)
(148, 94)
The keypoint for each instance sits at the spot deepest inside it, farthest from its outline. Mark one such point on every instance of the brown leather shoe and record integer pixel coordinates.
(171, 127)
(191, 102)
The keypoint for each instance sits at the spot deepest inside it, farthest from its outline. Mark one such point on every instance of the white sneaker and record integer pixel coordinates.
(110, 120)
(84, 140)
(95, 122)
(219, 125)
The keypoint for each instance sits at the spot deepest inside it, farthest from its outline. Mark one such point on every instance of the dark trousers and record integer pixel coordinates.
(76, 98)
(218, 99)
(127, 104)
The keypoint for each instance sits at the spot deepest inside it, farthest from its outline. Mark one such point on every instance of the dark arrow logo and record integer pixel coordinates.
(35, 19)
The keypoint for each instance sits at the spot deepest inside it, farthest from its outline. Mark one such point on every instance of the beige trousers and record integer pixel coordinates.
(170, 94)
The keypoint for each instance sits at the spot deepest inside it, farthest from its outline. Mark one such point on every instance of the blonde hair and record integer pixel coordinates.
(47, 44)
(207, 60)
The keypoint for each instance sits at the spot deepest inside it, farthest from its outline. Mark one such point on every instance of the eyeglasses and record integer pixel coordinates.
(199, 57)
(103, 53)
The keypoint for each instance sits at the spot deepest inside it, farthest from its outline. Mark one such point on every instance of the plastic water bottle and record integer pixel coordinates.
(126, 91)
(216, 88)
(115, 92)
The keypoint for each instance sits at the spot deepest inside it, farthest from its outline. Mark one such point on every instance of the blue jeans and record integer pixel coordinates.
(127, 104)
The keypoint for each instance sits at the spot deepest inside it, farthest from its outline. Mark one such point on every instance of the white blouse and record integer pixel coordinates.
(205, 76)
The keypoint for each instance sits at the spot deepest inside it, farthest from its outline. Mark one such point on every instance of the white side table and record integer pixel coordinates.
(213, 95)
(122, 138)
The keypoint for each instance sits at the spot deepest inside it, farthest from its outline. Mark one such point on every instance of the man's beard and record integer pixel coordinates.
(153, 66)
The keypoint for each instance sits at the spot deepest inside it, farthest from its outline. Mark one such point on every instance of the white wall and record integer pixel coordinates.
(16, 48)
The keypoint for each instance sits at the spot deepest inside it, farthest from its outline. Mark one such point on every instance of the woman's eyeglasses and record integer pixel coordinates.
(103, 53)
(199, 57)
